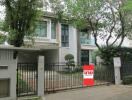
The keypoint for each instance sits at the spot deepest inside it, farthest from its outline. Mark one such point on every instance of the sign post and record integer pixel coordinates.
(88, 75)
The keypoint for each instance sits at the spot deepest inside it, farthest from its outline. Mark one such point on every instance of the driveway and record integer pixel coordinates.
(111, 92)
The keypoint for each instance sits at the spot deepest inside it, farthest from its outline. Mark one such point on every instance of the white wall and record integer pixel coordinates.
(51, 56)
(72, 49)
(6, 59)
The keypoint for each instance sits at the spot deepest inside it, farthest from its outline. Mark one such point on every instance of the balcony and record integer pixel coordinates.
(85, 41)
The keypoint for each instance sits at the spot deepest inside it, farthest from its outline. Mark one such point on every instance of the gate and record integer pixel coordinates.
(126, 69)
(27, 76)
(61, 76)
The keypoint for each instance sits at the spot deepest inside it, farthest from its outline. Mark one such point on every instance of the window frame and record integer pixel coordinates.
(65, 35)
(40, 29)
(55, 30)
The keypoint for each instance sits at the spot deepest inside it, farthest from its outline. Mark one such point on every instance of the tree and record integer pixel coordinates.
(20, 21)
(107, 20)
(69, 60)
(2, 38)
(104, 19)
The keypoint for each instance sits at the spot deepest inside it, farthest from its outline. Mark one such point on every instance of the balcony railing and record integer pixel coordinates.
(86, 41)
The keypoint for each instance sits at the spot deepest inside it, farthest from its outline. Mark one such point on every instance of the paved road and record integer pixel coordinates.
(112, 92)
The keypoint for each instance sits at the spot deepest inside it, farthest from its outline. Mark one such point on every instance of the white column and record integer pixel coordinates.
(90, 57)
(117, 66)
(49, 29)
(41, 76)
(117, 75)
(13, 79)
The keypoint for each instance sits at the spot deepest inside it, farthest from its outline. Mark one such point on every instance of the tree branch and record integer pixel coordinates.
(112, 28)
(94, 29)
(115, 40)
(121, 16)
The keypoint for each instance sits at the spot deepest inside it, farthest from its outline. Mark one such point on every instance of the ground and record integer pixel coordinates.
(112, 92)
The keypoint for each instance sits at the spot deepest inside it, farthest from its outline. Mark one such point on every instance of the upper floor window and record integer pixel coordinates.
(41, 29)
(64, 35)
(84, 35)
(53, 30)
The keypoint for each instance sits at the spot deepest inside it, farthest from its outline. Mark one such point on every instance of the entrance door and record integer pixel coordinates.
(85, 57)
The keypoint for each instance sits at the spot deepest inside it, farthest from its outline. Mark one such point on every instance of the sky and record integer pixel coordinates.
(2, 14)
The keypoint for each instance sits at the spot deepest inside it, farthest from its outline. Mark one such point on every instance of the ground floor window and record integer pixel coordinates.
(85, 57)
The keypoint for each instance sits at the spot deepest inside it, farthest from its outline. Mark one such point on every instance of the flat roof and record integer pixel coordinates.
(19, 48)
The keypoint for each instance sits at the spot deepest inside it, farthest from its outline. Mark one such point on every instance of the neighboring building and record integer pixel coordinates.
(56, 40)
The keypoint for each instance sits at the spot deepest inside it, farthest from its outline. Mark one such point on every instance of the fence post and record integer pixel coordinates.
(41, 76)
(117, 66)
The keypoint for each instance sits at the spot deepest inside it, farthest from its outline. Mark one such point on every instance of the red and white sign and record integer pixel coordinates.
(88, 75)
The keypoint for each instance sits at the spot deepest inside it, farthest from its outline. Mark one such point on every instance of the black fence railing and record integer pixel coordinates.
(27, 76)
(60, 76)
(104, 74)
(126, 69)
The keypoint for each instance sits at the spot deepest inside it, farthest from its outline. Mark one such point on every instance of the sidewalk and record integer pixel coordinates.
(112, 92)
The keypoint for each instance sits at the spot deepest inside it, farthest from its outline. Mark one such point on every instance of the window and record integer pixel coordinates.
(53, 30)
(41, 29)
(84, 57)
(64, 35)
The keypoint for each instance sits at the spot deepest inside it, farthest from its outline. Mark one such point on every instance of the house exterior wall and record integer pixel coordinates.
(72, 49)
(53, 49)
(51, 56)
(6, 59)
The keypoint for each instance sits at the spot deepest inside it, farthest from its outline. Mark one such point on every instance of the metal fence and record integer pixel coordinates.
(60, 76)
(27, 76)
(126, 69)
(104, 74)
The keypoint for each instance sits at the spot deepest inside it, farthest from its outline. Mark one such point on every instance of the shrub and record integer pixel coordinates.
(69, 60)
(107, 54)
(2, 38)
(127, 80)
(22, 85)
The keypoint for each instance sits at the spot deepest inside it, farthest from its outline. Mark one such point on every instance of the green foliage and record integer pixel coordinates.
(81, 10)
(99, 15)
(58, 8)
(23, 86)
(128, 5)
(2, 38)
(107, 54)
(69, 60)
(127, 80)
(69, 57)
(94, 54)
(20, 19)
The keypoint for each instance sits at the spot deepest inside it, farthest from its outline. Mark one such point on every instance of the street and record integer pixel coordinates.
(112, 92)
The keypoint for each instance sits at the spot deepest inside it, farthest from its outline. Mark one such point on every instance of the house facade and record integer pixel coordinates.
(55, 40)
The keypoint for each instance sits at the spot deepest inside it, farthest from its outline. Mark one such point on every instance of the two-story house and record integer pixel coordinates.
(55, 40)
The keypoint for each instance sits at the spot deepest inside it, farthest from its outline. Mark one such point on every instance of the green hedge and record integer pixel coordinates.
(2, 38)
(107, 54)
(127, 80)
